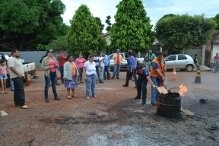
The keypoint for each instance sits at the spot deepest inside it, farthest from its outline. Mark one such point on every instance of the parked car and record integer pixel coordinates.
(179, 61)
(29, 67)
(124, 62)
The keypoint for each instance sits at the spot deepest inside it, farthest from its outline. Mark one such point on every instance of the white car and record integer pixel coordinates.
(179, 61)
(124, 61)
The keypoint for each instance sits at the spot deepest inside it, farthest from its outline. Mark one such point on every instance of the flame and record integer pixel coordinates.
(182, 90)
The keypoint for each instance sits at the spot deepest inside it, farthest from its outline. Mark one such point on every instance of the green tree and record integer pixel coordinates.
(132, 28)
(24, 24)
(216, 20)
(108, 22)
(99, 23)
(85, 34)
(177, 32)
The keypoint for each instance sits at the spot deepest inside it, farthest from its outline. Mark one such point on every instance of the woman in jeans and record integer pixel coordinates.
(90, 77)
(50, 65)
(70, 76)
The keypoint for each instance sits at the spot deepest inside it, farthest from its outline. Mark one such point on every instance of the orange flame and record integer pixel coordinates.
(182, 90)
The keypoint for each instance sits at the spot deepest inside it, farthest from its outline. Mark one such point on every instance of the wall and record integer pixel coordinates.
(30, 56)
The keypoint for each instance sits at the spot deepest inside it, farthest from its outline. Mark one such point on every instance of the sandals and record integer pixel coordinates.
(3, 92)
(73, 96)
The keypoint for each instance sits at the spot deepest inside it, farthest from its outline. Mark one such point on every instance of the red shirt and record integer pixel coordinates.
(61, 59)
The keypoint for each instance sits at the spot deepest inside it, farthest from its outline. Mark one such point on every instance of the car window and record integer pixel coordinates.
(182, 57)
(171, 58)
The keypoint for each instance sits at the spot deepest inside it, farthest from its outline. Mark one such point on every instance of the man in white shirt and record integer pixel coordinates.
(16, 72)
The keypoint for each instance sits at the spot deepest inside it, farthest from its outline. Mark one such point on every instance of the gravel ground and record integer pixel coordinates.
(113, 118)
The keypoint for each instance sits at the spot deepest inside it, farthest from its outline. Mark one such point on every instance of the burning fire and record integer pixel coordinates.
(182, 90)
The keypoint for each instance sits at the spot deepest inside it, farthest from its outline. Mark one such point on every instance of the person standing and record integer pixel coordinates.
(101, 68)
(16, 72)
(196, 61)
(3, 75)
(149, 57)
(90, 77)
(106, 62)
(117, 57)
(157, 75)
(96, 59)
(143, 79)
(61, 60)
(131, 66)
(70, 76)
(80, 65)
(50, 65)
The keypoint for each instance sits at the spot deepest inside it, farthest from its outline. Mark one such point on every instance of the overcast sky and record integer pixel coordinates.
(155, 8)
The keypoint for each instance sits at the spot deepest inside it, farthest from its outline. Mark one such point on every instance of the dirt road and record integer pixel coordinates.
(113, 118)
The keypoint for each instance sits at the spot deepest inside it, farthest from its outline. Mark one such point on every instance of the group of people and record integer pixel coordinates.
(153, 72)
(96, 68)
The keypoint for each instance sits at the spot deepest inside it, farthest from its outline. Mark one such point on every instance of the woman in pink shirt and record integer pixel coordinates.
(3, 75)
(80, 65)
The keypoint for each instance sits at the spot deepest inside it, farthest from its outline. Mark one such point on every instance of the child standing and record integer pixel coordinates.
(3, 75)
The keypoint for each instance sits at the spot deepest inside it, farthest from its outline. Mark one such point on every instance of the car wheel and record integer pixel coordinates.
(189, 68)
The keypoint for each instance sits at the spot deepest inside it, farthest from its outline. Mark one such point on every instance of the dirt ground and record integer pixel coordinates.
(113, 118)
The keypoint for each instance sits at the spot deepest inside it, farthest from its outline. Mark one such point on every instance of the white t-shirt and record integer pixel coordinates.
(97, 60)
(101, 61)
(17, 64)
(90, 68)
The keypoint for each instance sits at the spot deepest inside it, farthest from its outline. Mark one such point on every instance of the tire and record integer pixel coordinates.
(189, 68)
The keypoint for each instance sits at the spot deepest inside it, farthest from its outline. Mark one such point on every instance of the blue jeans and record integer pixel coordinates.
(154, 91)
(12, 84)
(116, 71)
(53, 78)
(106, 72)
(142, 88)
(90, 85)
(19, 95)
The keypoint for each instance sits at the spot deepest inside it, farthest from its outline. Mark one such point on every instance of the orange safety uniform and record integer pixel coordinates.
(117, 58)
(161, 67)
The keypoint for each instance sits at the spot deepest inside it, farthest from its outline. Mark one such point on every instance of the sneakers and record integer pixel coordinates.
(94, 96)
(125, 85)
(154, 103)
(56, 98)
(88, 97)
(137, 97)
(24, 107)
(69, 97)
(143, 104)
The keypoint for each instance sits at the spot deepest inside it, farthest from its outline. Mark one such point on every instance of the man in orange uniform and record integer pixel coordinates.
(117, 57)
(157, 75)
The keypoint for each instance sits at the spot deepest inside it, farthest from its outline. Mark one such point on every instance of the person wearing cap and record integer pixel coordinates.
(157, 73)
(149, 57)
(143, 79)
(50, 65)
(117, 57)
